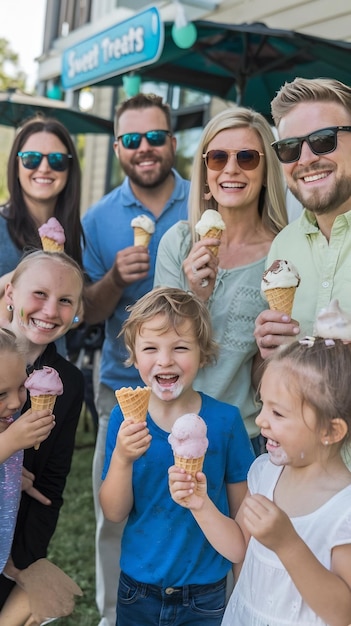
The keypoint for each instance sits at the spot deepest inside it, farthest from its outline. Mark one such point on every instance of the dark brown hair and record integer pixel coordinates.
(143, 101)
(22, 228)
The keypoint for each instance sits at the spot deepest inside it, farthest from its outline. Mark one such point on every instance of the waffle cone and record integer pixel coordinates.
(281, 299)
(50, 245)
(141, 237)
(133, 402)
(191, 466)
(216, 233)
(38, 403)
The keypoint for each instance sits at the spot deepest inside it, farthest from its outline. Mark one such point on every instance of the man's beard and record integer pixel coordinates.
(322, 203)
(149, 179)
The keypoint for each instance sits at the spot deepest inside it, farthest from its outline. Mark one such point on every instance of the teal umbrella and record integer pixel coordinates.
(16, 107)
(245, 63)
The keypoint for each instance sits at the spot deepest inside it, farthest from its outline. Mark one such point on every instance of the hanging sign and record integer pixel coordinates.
(133, 43)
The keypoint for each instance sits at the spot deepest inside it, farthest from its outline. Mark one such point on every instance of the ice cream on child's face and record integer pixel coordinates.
(167, 359)
(188, 437)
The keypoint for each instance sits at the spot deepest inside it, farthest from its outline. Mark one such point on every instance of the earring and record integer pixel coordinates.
(326, 442)
(75, 319)
(207, 193)
(9, 307)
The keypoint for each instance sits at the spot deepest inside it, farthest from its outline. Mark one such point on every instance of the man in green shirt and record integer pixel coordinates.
(313, 118)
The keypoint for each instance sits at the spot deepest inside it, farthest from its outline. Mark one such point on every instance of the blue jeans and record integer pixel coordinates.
(139, 604)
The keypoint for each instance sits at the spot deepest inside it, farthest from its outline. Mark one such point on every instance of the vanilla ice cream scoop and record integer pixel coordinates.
(333, 323)
(144, 222)
(143, 227)
(281, 274)
(210, 219)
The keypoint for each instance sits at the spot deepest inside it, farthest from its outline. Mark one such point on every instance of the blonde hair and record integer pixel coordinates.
(272, 201)
(176, 306)
(50, 257)
(309, 90)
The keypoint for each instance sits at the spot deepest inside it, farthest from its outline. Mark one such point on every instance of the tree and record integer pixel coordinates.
(14, 78)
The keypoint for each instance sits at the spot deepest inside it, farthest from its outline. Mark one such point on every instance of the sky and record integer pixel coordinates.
(22, 24)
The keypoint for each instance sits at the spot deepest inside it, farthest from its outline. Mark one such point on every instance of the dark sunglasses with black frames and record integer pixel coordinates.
(58, 161)
(155, 138)
(320, 142)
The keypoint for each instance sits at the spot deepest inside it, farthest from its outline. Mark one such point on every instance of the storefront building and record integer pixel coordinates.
(70, 24)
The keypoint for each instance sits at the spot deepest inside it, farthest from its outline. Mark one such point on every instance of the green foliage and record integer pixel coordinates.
(72, 547)
(15, 78)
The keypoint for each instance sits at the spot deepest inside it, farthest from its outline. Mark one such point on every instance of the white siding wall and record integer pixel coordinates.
(321, 18)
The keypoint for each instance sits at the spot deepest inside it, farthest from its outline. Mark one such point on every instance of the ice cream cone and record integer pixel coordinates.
(38, 403)
(281, 299)
(191, 466)
(133, 402)
(215, 233)
(50, 245)
(141, 237)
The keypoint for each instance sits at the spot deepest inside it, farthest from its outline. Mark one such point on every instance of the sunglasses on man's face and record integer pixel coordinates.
(217, 159)
(320, 142)
(155, 138)
(58, 161)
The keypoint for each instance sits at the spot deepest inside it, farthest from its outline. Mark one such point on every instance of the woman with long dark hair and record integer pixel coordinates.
(44, 180)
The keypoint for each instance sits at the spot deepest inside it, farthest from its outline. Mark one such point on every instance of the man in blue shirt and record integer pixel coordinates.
(121, 273)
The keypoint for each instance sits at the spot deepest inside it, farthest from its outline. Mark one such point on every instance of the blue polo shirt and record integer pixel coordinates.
(107, 230)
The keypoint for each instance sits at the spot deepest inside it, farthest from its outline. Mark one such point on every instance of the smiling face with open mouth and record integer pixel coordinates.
(147, 166)
(322, 183)
(288, 424)
(45, 299)
(167, 359)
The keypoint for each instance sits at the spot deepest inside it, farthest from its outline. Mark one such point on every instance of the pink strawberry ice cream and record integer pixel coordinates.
(52, 235)
(45, 381)
(188, 437)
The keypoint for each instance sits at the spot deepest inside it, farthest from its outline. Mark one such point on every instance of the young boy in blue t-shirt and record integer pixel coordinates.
(169, 569)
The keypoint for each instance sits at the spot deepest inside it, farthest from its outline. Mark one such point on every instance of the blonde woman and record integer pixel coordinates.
(235, 172)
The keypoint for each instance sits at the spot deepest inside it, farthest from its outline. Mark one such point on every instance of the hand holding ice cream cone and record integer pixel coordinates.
(44, 386)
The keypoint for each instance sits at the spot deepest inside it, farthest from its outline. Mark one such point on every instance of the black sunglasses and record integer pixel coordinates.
(132, 141)
(321, 141)
(217, 159)
(58, 161)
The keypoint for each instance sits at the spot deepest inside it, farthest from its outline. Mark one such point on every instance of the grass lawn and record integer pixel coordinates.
(72, 547)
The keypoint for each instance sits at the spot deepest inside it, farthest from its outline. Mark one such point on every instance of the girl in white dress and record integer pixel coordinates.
(296, 518)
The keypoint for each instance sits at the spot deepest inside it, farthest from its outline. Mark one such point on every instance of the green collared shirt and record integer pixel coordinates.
(324, 267)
